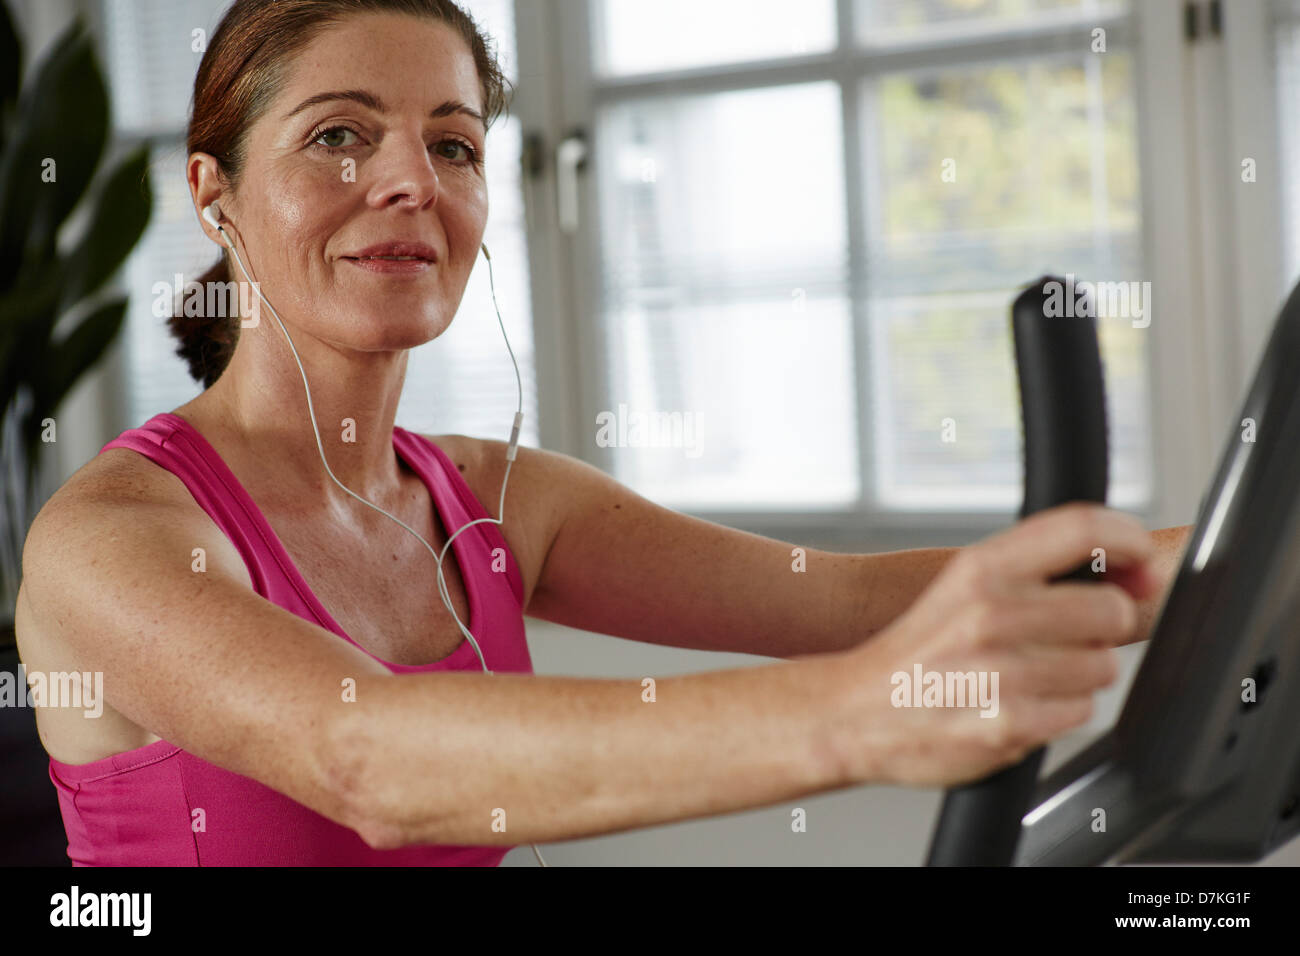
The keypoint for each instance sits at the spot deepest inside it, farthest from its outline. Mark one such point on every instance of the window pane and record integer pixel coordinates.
(725, 295)
(982, 180)
(153, 53)
(1287, 32)
(497, 19)
(880, 21)
(635, 36)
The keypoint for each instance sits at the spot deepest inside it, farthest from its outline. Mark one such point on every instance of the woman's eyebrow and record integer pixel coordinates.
(375, 103)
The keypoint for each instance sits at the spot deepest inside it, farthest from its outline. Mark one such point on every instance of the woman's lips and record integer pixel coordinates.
(392, 266)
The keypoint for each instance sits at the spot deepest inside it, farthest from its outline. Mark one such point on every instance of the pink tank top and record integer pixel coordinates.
(136, 808)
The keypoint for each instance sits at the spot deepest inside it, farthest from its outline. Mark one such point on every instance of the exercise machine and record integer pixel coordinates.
(1203, 763)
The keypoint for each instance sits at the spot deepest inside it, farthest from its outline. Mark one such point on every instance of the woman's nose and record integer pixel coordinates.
(404, 174)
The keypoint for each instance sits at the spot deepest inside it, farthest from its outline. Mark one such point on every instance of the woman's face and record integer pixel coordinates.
(400, 161)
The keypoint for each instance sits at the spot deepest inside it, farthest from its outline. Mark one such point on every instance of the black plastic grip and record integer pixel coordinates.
(1063, 406)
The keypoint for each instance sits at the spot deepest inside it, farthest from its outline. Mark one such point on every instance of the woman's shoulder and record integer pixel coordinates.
(459, 448)
(482, 462)
(119, 475)
(109, 488)
(543, 478)
(123, 501)
(469, 455)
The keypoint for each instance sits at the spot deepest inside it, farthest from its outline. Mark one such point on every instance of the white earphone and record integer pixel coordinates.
(211, 215)
(211, 212)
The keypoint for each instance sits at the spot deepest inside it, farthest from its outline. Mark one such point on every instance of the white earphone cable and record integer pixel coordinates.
(511, 450)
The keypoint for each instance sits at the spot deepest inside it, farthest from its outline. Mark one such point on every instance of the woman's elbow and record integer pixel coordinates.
(349, 774)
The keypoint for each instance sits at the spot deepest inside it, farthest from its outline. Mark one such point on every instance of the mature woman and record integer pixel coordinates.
(283, 683)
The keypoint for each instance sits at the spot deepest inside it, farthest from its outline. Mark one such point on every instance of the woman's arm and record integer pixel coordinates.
(201, 660)
(616, 563)
(499, 760)
(444, 757)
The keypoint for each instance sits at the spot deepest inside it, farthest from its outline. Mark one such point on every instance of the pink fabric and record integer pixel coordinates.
(134, 808)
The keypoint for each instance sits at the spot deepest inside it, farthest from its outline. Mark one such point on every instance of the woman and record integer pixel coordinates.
(282, 682)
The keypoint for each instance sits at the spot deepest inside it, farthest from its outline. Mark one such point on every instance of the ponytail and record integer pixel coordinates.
(206, 342)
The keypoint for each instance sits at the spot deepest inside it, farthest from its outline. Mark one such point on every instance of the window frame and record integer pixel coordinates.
(573, 93)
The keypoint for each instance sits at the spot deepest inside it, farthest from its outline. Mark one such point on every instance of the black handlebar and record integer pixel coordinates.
(1063, 405)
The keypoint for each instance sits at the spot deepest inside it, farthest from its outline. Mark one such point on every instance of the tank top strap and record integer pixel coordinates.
(489, 548)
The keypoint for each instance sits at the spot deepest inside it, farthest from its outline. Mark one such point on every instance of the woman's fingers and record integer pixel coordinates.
(1070, 613)
(1054, 542)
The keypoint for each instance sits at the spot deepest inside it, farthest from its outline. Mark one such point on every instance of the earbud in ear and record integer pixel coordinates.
(487, 255)
(211, 213)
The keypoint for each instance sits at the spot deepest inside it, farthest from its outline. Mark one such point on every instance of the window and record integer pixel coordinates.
(463, 381)
(810, 222)
(1287, 34)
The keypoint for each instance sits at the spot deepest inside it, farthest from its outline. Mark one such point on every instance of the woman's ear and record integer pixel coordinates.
(203, 174)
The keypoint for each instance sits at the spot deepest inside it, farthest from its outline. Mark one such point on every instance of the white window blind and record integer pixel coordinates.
(781, 253)
(462, 382)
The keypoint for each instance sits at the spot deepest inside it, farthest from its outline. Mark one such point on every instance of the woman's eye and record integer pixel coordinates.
(456, 151)
(333, 133)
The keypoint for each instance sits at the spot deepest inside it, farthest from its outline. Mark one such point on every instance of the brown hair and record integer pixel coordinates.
(241, 73)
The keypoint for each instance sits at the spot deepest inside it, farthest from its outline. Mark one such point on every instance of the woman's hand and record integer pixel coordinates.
(1037, 651)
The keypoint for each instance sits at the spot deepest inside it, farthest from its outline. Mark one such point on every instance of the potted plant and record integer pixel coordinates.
(53, 133)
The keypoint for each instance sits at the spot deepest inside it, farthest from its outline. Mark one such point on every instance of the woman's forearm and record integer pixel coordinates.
(507, 759)
(888, 583)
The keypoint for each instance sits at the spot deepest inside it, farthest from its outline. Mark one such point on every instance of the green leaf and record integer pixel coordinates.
(37, 292)
(119, 220)
(62, 116)
(28, 316)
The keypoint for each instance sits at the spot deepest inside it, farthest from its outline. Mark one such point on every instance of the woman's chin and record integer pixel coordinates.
(382, 335)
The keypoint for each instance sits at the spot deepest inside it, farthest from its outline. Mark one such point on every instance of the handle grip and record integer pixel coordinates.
(1063, 406)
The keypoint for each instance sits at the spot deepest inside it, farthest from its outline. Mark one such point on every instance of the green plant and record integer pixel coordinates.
(53, 133)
